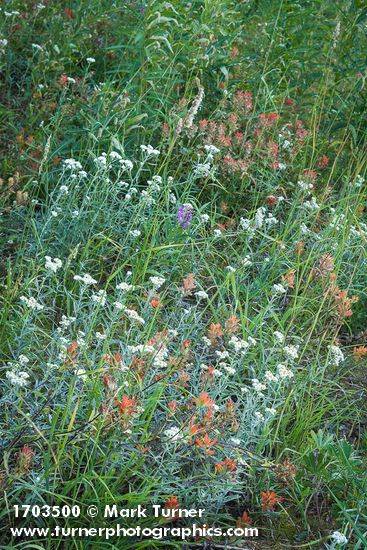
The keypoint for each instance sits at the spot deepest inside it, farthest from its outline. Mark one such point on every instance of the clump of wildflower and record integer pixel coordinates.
(86, 279)
(228, 465)
(286, 471)
(291, 352)
(157, 282)
(125, 287)
(127, 409)
(278, 289)
(201, 295)
(31, 303)
(17, 378)
(184, 215)
(53, 264)
(244, 520)
(100, 297)
(188, 285)
(24, 461)
(359, 352)
(336, 355)
(206, 444)
(284, 372)
(215, 331)
(232, 324)
(278, 337)
(150, 151)
(338, 538)
(269, 500)
(174, 433)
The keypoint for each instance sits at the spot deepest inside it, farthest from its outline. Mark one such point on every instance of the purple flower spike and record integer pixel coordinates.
(184, 215)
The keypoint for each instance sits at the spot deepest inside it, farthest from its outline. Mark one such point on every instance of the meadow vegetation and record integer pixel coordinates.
(183, 265)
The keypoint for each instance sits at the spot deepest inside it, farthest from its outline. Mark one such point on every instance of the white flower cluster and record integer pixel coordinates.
(150, 151)
(53, 264)
(72, 164)
(131, 313)
(174, 433)
(125, 287)
(202, 170)
(18, 377)
(336, 355)
(278, 289)
(311, 205)
(100, 297)
(339, 538)
(86, 279)
(157, 282)
(31, 303)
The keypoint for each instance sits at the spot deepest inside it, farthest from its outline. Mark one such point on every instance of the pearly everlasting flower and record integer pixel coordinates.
(125, 287)
(291, 352)
(259, 416)
(271, 220)
(235, 441)
(206, 341)
(304, 229)
(100, 336)
(157, 282)
(230, 269)
(359, 181)
(23, 360)
(278, 289)
(31, 303)
(284, 372)
(339, 538)
(311, 205)
(134, 316)
(174, 433)
(259, 217)
(305, 185)
(86, 279)
(258, 386)
(100, 297)
(201, 295)
(246, 262)
(17, 379)
(204, 218)
(231, 371)
(90, 60)
(72, 164)
(245, 223)
(66, 321)
(135, 233)
(211, 149)
(64, 189)
(222, 354)
(271, 411)
(126, 164)
(53, 264)
(278, 337)
(202, 170)
(336, 355)
(270, 377)
(150, 151)
(238, 344)
(217, 233)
